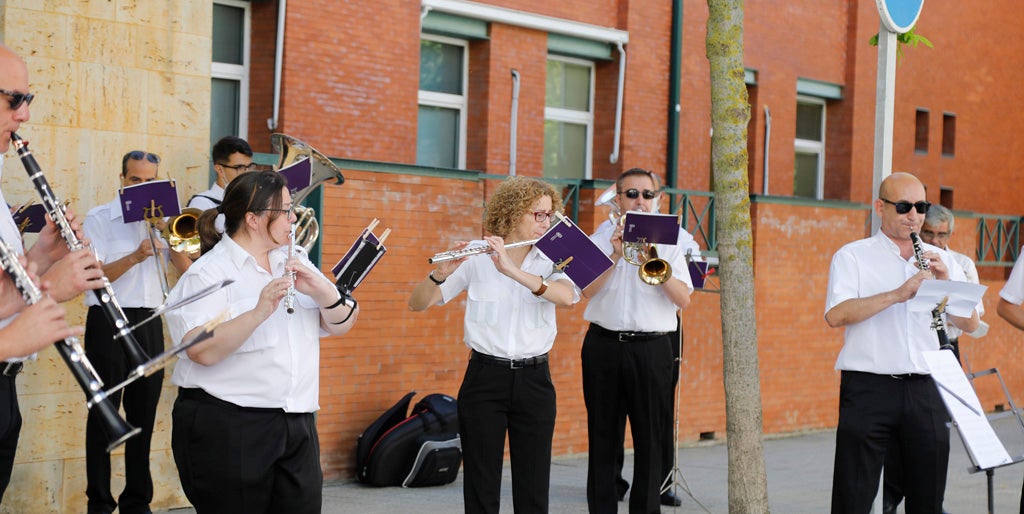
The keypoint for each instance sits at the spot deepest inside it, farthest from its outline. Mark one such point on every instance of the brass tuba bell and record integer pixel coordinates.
(291, 150)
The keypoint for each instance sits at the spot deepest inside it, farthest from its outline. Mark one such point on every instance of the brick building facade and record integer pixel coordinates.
(349, 86)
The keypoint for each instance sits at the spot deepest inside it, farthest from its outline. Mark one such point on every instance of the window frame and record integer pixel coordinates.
(562, 115)
(448, 100)
(807, 146)
(235, 72)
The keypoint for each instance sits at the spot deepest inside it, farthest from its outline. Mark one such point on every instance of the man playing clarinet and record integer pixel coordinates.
(886, 395)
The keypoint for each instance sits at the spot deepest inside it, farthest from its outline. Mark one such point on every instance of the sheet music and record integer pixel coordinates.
(565, 240)
(981, 441)
(963, 296)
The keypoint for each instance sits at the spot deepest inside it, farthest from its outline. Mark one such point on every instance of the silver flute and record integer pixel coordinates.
(289, 297)
(473, 250)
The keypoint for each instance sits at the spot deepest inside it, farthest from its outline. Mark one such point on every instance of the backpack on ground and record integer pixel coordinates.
(421, 449)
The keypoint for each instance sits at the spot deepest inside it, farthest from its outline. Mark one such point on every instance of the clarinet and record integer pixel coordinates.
(55, 209)
(937, 324)
(74, 356)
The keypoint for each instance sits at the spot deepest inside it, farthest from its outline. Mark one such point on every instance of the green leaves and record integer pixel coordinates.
(909, 38)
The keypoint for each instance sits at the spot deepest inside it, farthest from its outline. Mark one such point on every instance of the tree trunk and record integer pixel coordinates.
(730, 113)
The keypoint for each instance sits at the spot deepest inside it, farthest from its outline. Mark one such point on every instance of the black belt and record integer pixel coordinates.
(198, 395)
(910, 376)
(629, 337)
(11, 369)
(528, 362)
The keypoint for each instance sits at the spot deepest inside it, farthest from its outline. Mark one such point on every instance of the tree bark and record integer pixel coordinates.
(730, 113)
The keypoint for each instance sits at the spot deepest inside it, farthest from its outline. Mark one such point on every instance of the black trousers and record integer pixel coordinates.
(892, 485)
(632, 378)
(140, 402)
(495, 400)
(234, 459)
(668, 442)
(875, 412)
(10, 427)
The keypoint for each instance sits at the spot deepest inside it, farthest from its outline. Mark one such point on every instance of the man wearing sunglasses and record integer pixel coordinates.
(887, 396)
(129, 262)
(231, 156)
(628, 360)
(66, 274)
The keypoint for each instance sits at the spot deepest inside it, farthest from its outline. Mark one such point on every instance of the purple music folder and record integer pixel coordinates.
(156, 199)
(650, 227)
(299, 174)
(564, 240)
(350, 271)
(30, 219)
(699, 273)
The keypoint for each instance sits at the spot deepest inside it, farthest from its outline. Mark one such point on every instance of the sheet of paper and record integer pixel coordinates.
(981, 441)
(963, 296)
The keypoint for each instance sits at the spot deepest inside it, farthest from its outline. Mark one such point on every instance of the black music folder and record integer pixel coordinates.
(573, 252)
(361, 257)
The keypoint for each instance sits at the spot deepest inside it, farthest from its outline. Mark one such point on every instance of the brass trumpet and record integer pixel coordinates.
(182, 231)
(652, 269)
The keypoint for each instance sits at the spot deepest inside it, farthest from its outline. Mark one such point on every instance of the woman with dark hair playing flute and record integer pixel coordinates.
(253, 387)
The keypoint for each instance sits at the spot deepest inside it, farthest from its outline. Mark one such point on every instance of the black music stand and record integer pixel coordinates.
(703, 272)
(1014, 411)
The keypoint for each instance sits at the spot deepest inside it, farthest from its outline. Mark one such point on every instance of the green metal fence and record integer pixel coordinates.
(998, 240)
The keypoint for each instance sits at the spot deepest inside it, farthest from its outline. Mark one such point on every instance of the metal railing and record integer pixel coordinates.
(998, 240)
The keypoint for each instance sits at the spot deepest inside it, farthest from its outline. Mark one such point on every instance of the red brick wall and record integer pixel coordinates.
(350, 89)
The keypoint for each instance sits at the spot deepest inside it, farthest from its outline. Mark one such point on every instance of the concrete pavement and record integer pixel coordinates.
(799, 481)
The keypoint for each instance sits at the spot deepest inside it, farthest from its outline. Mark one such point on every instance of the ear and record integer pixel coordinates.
(251, 221)
(879, 206)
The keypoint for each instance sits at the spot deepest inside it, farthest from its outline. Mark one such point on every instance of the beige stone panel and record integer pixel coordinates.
(87, 8)
(178, 105)
(103, 41)
(36, 487)
(144, 12)
(72, 494)
(175, 52)
(47, 375)
(113, 98)
(167, 493)
(32, 33)
(54, 426)
(54, 82)
(192, 17)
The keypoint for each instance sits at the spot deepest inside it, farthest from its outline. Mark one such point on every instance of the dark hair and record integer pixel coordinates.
(137, 155)
(228, 145)
(249, 192)
(656, 180)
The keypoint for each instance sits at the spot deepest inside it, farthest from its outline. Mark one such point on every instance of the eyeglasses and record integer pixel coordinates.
(138, 155)
(904, 207)
(633, 194)
(287, 211)
(18, 98)
(540, 216)
(239, 167)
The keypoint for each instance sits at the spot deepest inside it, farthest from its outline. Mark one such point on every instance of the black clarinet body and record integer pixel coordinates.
(118, 430)
(55, 209)
(938, 323)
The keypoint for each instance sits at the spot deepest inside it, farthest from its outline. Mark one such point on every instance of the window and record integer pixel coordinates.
(229, 103)
(921, 131)
(809, 162)
(568, 117)
(948, 135)
(441, 124)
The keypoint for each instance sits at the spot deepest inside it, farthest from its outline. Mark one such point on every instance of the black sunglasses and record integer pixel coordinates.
(904, 207)
(633, 194)
(18, 98)
(138, 155)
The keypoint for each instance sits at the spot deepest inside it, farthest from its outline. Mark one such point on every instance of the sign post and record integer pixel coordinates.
(897, 17)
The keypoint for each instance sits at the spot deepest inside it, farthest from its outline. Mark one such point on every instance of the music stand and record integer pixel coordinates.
(980, 441)
(702, 272)
(1015, 412)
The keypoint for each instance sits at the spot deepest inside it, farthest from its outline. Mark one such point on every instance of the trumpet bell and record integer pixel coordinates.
(655, 271)
(182, 231)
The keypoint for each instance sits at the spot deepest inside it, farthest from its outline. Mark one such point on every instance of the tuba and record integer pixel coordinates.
(291, 150)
